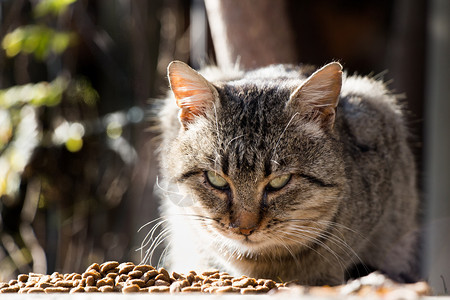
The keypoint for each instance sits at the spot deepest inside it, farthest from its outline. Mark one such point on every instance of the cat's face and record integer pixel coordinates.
(263, 172)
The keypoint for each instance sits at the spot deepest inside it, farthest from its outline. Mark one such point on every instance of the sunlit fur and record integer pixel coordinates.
(351, 199)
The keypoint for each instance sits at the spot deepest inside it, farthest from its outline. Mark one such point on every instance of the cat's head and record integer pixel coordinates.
(258, 157)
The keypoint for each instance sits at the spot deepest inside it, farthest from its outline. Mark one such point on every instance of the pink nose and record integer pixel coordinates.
(247, 231)
(246, 222)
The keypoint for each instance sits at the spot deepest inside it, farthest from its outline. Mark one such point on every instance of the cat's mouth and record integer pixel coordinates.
(247, 239)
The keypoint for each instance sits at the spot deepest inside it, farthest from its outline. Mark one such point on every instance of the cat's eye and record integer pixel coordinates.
(279, 182)
(216, 180)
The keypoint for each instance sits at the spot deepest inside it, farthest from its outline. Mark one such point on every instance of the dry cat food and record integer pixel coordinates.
(130, 278)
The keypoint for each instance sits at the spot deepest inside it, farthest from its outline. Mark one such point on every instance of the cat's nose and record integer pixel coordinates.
(246, 223)
(247, 231)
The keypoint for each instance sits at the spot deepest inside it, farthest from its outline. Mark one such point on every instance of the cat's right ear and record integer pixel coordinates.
(194, 94)
(318, 97)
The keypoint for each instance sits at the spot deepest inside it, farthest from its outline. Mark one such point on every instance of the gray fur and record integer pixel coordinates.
(352, 198)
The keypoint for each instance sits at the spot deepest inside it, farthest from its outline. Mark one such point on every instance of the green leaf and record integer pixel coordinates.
(55, 7)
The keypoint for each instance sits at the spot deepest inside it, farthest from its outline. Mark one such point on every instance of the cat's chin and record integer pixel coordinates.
(254, 244)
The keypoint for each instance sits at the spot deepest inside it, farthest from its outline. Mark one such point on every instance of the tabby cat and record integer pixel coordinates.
(286, 173)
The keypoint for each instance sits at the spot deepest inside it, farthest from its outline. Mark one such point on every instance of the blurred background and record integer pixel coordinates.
(78, 79)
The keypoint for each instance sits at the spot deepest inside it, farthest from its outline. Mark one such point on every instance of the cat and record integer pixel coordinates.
(286, 172)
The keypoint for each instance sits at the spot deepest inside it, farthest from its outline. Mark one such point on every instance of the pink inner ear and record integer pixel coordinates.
(185, 98)
(192, 92)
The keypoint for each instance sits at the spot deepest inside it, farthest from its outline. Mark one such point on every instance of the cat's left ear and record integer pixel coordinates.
(194, 94)
(318, 96)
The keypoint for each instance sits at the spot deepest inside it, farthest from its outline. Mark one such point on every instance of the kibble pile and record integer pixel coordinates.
(130, 278)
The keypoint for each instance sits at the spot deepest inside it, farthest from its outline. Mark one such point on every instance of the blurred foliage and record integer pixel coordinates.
(55, 7)
(38, 94)
(76, 167)
(20, 132)
(37, 39)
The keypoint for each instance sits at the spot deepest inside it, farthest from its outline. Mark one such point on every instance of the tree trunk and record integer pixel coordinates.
(240, 36)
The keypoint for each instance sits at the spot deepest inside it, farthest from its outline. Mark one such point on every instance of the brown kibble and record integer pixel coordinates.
(122, 278)
(126, 277)
(82, 282)
(106, 289)
(133, 288)
(45, 278)
(77, 277)
(105, 281)
(215, 276)
(78, 289)
(164, 271)
(207, 280)
(109, 265)
(190, 278)
(185, 283)
(162, 277)
(209, 273)
(270, 283)
(191, 289)
(245, 282)
(161, 283)
(112, 275)
(158, 289)
(10, 289)
(262, 289)
(135, 274)
(119, 286)
(90, 281)
(176, 275)
(222, 283)
(139, 282)
(22, 277)
(125, 267)
(64, 283)
(44, 285)
(3, 285)
(91, 289)
(94, 266)
(143, 268)
(92, 273)
(149, 274)
(57, 289)
(12, 282)
(207, 288)
(34, 290)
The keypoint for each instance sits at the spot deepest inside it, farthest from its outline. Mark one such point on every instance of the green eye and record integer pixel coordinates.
(279, 182)
(216, 180)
